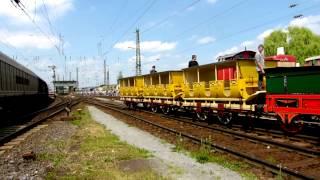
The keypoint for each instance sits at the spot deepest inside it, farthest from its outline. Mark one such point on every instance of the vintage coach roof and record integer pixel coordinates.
(8, 60)
(239, 55)
(312, 58)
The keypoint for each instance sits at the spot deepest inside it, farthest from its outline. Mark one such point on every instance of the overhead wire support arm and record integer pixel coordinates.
(19, 5)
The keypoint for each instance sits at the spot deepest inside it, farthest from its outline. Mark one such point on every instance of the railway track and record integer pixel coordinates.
(297, 163)
(268, 136)
(10, 132)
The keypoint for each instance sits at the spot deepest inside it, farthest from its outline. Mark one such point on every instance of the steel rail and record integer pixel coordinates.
(253, 159)
(61, 107)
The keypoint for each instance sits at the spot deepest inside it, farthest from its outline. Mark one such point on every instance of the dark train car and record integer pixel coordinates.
(20, 88)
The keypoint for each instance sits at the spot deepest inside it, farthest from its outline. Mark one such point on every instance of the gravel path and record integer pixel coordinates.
(187, 167)
(13, 166)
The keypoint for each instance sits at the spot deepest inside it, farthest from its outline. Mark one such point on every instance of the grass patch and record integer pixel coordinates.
(93, 153)
(206, 154)
(271, 159)
(203, 154)
(179, 144)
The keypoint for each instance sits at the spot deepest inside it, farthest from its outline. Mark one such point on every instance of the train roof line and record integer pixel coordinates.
(10, 61)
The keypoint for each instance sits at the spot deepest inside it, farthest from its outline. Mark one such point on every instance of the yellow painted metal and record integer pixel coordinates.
(163, 84)
(138, 86)
(176, 77)
(197, 82)
(248, 81)
(159, 90)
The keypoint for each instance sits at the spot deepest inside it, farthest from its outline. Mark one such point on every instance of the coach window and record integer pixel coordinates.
(13, 87)
(1, 75)
(13, 72)
(27, 88)
(18, 85)
(9, 78)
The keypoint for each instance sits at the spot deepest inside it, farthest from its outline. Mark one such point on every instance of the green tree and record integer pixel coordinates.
(276, 39)
(298, 41)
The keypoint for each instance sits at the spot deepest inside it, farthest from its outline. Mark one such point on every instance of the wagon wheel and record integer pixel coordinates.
(225, 118)
(165, 109)
(127, 104)
(202, 116)
(295, 126)
(248, 121)
(132, 105)
(146, 105)
(154, 108)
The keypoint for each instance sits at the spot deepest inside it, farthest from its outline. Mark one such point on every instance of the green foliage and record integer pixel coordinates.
(179, 144)
(298, 41)
(93, 153)
(273, 41)
(203, 155)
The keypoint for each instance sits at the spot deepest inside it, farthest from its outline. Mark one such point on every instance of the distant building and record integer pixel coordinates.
(109, 87)
(65, 87)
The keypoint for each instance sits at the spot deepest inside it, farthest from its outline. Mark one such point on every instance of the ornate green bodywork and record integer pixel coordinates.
(293, 80)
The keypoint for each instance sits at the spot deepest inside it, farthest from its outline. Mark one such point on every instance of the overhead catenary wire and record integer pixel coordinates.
(130, 27)
(48, 18)
(210, 19)
(35, 9)
(116, 19)
(245, 30)
(22, 8)
(6, 43)
(171, 16)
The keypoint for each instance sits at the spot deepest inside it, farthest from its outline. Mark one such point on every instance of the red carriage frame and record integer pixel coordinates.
(289, 106)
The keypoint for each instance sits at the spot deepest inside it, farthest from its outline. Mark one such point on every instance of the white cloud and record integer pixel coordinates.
(311, 22)
(212, 1)
(40, 67)
(265, 34)
(205, 40)
(55, 9)
(228, 51)
(182, 65)
(147, 46)
(247, 43)
(125, 46)
(24, 39)
(145, 59)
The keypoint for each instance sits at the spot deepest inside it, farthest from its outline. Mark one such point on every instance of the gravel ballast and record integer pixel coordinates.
(13, 166)
(164, 156)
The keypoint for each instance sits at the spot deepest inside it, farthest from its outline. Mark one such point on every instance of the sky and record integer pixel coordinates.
(82, 34)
